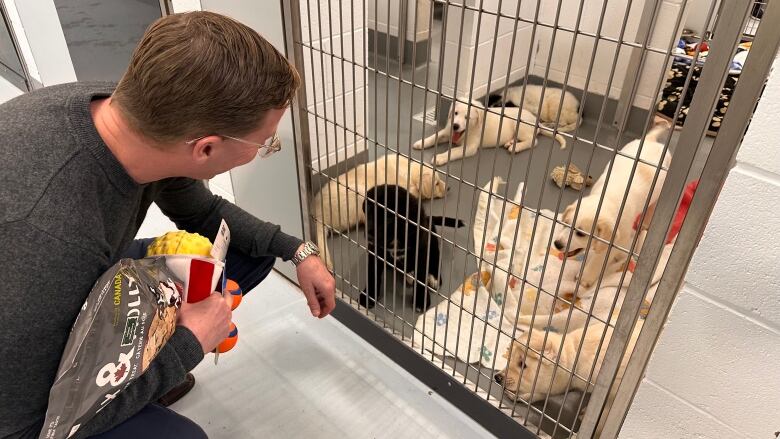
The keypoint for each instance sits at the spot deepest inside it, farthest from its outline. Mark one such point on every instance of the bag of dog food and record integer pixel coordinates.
(127, 318)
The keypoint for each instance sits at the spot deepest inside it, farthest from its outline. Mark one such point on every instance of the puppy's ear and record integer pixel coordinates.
(476, 113)
(549, 347)
(604, 231)
(439, 187)
(426, 184)
(568, 215)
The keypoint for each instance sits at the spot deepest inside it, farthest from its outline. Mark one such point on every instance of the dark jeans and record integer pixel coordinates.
(155, 421)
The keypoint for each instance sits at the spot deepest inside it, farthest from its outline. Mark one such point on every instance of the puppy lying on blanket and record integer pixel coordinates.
(498, 131)
(520, 375)
(338, 207)
(621, 189)
(551, 103)
(395, 237)
(521, 370)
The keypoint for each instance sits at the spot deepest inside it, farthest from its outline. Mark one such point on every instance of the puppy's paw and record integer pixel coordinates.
(421, 301)
(410, 279)
(432, 282)
(440, 159)
(418, 144)
(366, 301)
(510, 145)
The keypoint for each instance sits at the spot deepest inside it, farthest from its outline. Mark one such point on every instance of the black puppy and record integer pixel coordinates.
(497, 100)
(397, 239)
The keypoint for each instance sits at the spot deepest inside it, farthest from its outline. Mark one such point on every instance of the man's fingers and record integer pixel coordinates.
(327, 302)
(311, 299)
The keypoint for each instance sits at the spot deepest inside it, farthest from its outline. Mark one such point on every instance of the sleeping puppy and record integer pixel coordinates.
(519, 376)
(465, 128)
(395, 238)
(551, 103)
(614, 191)
(338, 208)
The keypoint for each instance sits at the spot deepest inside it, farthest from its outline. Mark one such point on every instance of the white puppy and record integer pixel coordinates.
(548, 114)
(614, 191)
(465, 126)
(338, 204)
(520, 375)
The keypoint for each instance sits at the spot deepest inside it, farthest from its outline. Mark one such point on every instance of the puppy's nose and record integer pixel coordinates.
(456, 126)
(499, 378)
(559, 244)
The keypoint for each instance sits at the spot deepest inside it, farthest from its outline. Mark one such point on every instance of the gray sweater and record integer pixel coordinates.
(67, 210)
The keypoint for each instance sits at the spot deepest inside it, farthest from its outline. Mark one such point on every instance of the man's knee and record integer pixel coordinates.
(247, 271)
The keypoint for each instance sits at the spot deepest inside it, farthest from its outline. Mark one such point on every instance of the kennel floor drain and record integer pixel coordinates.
(428, 116)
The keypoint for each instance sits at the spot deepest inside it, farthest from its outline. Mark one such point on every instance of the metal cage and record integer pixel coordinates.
(379, 76)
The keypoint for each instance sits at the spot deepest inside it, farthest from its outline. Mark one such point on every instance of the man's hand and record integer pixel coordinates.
(318, 286)
(209, 320)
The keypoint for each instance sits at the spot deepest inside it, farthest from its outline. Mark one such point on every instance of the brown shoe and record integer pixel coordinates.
(178, 392)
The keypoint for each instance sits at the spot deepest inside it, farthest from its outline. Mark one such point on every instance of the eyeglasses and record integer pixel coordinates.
(263, 149)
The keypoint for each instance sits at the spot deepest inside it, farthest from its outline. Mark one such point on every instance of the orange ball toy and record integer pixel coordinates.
(231, 340)
(232, 288)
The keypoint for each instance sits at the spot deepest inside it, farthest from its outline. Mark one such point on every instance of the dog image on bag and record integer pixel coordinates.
(401, 234)
(471, 126)
(338, 208)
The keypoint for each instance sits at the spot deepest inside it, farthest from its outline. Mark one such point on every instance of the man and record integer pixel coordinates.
(79, 166)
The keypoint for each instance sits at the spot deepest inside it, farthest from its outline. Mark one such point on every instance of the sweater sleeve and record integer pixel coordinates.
(192, 207)
(180, 355)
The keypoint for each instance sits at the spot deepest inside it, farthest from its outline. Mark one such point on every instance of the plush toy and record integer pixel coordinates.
(574, 177)
(180, 243)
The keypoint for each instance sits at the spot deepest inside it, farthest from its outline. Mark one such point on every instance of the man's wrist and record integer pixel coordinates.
(305, 250)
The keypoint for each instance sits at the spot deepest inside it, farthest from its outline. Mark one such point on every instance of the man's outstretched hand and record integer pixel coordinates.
(318, 286)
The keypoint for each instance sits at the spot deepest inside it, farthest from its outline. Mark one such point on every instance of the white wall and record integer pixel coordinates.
(327, 86)
(478, 46)
(8, 90)
(716, 370)
(655, 65)
(380, 20)
(697, 14)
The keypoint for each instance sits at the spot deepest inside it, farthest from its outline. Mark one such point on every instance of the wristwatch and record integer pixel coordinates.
(309, 248)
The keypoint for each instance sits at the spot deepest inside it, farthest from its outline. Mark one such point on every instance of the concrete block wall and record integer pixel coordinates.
(388, 22)
(335, 86)
(714, 372)
(607, 53)
(472, 36)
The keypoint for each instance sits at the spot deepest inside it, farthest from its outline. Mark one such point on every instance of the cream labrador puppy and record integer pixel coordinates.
(338, 204)
(551, 103)
(465, 126)
(619, 185)
(520, 379)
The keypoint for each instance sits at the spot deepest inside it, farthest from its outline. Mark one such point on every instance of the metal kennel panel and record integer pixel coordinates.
(500, 299)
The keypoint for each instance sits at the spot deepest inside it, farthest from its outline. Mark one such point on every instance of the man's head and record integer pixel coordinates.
(201, 75)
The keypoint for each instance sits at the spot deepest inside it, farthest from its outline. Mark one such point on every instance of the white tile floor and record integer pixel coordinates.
(291, 376)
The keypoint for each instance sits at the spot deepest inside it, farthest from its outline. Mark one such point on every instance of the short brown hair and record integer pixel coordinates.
(201, 73)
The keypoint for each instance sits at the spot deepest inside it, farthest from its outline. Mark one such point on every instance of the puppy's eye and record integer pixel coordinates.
(456, 113)
(579, 233)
